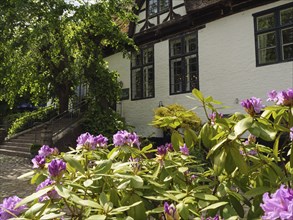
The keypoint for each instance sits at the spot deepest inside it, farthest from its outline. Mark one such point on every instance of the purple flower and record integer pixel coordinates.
(252, 105)
(170, 212)
(284, 97)
(291, 134)
(162, 150)
(8, 207)
(217, 217)
(184, 150)
(52, 194)
(46, 151)
(279, 205)
(125, 138)
(56, 167)
(91, 142)
(273, 96)
(169, 146)
(38, 161)
(214, 116)
(252, 152)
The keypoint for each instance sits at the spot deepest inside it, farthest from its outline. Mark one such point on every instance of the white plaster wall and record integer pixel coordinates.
(227, 63)
(227, 71)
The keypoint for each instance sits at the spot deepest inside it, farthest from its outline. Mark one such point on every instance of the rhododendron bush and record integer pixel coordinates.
(247, 171)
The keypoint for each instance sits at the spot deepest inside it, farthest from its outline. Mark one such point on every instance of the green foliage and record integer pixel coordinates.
(48, 48)
(175, 116)
(122, 182)
(22, 121)
(107, 122)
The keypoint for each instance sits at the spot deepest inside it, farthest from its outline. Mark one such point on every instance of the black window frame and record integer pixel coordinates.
(277, 30)
(141, 67)
(183, 55)
(159, 11)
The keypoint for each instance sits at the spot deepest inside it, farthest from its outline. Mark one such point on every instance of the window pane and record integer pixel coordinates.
(153, 7)
(176, 76)
(288, 52)
(148, 77)
(191, 68)
(190, 43)
(176, 47)
(287, 16)
(136, 84)
(265, 22)
(164, 5)
(267, 56)
(148, 55)
(267, 40)
(287, 36)
(135, 59)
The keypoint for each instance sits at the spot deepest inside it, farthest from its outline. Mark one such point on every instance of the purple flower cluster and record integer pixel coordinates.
(52, 194)
(7, 208)
(163, 149)
(91, 142)
(278, 205)
(284, 97)
(252, 105)
(56, 167)
(184, 149)
(170, 212)
(39, 160)
(125, 138)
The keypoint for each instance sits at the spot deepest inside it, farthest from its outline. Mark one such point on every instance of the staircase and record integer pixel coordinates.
(20, 144)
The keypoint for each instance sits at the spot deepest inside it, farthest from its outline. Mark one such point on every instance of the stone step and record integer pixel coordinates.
(15, 153)
(17, 144)
(16, 148)
(21, 140)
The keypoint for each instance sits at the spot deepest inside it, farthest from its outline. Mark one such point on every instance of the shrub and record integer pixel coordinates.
(26, 120)
(243, 179)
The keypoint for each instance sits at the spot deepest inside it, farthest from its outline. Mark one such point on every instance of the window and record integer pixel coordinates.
(274, 35)
(142, 74)
(183, 64)
(158, 6)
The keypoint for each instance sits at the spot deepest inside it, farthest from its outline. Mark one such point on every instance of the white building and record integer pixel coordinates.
(229, 49)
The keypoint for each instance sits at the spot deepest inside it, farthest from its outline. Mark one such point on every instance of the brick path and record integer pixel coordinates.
(11, 168)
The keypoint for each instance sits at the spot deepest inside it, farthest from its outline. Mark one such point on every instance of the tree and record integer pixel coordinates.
(49, 47)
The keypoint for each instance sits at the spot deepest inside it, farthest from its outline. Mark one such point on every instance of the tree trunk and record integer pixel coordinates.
(63, 94)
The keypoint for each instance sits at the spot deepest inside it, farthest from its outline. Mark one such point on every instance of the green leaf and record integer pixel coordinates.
(183, 210)
(113, 153)
(62, 191)
(243, 125)
(124, 184)
(103, 199)
(198, 94)
(29, 174)
(276, 146)
(216, 147)
(102, 166)
(31, 212)
(86, 203)
(176, 140)
(74, 163)
(88, 183)
(219, 161)
(237, 206)
(125, 208)
(238, 159)
(189, 137)
(155, 211)
(52, 215)
(257, 191)
(214, 206)
(34, 196)
(205, 196)
(97, 217)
